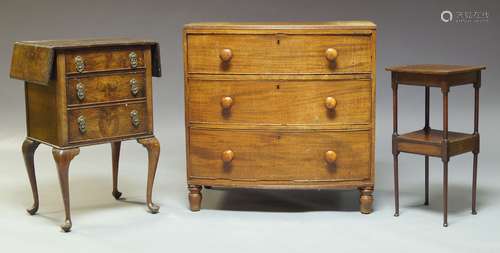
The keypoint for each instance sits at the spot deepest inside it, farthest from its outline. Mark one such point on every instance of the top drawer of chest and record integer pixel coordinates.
(104, 59)
(279, 53)
(42, 61)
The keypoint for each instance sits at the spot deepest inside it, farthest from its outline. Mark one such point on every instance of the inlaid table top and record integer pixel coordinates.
(434, 69)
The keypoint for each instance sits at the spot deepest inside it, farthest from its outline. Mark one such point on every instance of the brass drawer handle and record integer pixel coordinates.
(80, 91)
(331, 54)
(82, 124)
(79, 64)
(226, 54)
(330, 103)
(227, 156)
(134, 118)
(133, 60)
(134, 89)
(330, 157)
(226, 102)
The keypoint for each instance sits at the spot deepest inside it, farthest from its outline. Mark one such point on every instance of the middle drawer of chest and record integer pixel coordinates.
(105, 88)
(279, 102)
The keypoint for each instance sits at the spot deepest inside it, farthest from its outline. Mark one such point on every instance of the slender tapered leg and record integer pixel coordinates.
(115, 152)
(427, 129)
(396, 186)
(195, 197)
(395, 152)
(445, 194)
(63, 159)
(474, 184)
(445, 155)
(153, 147)
(366, 200)
(29, 147)
(426, 180)
(477, 85)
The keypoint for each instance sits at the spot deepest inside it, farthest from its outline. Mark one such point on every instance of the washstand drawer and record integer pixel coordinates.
(280, 102)
(104, 122)
(262, 155)
(105, 88)
(95, 60)
(278, 54)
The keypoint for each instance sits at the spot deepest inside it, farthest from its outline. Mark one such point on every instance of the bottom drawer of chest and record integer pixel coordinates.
(107, 122)
(277, 155)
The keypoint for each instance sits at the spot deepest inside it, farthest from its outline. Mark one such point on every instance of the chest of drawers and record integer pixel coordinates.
(85, 92)
(283, 106)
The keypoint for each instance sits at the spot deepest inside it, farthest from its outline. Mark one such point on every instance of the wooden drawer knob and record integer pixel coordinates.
(226, 54)
(226, 102)
(331, 54)
(330, 103)
(227, 156)
(330, 157)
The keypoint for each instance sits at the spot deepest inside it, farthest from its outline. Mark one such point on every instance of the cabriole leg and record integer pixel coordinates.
(63, 159)
(115, 153)
(153, 146)
(28, 148)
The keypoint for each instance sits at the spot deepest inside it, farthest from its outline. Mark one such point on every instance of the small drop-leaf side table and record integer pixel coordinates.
(86, 92)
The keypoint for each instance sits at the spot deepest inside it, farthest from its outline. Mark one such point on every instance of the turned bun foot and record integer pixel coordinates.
(396, 214)
(32, 210)
(445, 224)
(366, 200)
(117, 194)
(195, 197)
(66, 227)
(153, 208)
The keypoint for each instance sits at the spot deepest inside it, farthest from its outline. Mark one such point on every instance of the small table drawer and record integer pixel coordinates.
(105, 88)
(95, 60)
(278, 54)
(271, 155)
(106, 122)
(280, 102)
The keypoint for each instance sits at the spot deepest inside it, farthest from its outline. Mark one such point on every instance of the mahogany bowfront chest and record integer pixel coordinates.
(85, 92)
(283, 106)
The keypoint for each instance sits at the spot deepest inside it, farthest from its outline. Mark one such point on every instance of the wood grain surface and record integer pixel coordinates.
(267, 155)
(280, 105)
(280, 102)
(105, 88)
(104, 59)
(278, 54)
(105, 122)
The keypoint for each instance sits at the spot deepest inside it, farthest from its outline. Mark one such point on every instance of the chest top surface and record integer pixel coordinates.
(34, 61)
(333, 25)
